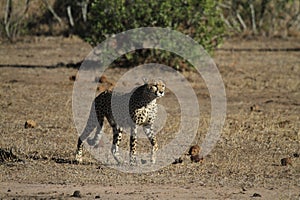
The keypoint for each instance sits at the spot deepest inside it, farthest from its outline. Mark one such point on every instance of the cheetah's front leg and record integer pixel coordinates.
(150, 134)
(133, 139)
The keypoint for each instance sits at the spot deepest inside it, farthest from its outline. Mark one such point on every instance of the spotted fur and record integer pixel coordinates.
(114, 107)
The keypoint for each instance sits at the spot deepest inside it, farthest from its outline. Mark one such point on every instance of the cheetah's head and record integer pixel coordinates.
(156, 87)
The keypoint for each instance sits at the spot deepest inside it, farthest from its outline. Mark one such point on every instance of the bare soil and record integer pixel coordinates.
(261, 128)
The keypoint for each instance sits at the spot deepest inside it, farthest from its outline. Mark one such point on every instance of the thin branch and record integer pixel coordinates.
(253, 17)
(84, 10)
(52, 11)
(26, 7)
(223, 5)
(225, 20)
(241, 20)
(263, 7)
(20, 19)
(69, 11)
(8, 11)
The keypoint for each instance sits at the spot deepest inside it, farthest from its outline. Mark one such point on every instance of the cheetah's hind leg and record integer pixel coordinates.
(92, 142)
(92, 123)
(79, 151)
(117, 137)
(98, 135)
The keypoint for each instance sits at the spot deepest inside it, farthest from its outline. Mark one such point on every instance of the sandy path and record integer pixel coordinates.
(50, 191)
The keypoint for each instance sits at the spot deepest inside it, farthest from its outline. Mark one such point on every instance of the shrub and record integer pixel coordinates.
(197, 18)
(262, 17)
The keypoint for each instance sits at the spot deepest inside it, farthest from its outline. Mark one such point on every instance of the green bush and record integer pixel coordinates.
(200, 19)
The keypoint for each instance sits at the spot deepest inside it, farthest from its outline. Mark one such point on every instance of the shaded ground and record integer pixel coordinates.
(245, 161)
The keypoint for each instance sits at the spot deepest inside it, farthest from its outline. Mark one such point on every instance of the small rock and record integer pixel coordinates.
(30, 124)
(72, 78)
(286, 161)
(103, 79)
(194, 150)
(296, 155)
(255, 108)
(9, 190)
(13, 81)
(76, 194)
(283, 124)
(178, 160)
(194, 153)
(256, 195)
(60, 64)
(103, 88)
(196, 158)
(143, 161)
(97, 197)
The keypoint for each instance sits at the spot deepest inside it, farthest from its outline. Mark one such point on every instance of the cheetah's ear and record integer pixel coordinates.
(145, 79)
(161, 80)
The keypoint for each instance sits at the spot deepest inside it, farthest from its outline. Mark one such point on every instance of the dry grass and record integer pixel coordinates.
(248, 154)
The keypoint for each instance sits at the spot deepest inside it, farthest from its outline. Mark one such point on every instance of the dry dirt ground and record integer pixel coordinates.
(262, 127)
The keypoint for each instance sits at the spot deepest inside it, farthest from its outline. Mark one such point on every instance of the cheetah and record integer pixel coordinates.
(136, 108)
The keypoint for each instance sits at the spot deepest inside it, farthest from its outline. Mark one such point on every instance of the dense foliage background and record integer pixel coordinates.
(197, 18)
(206, 21)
